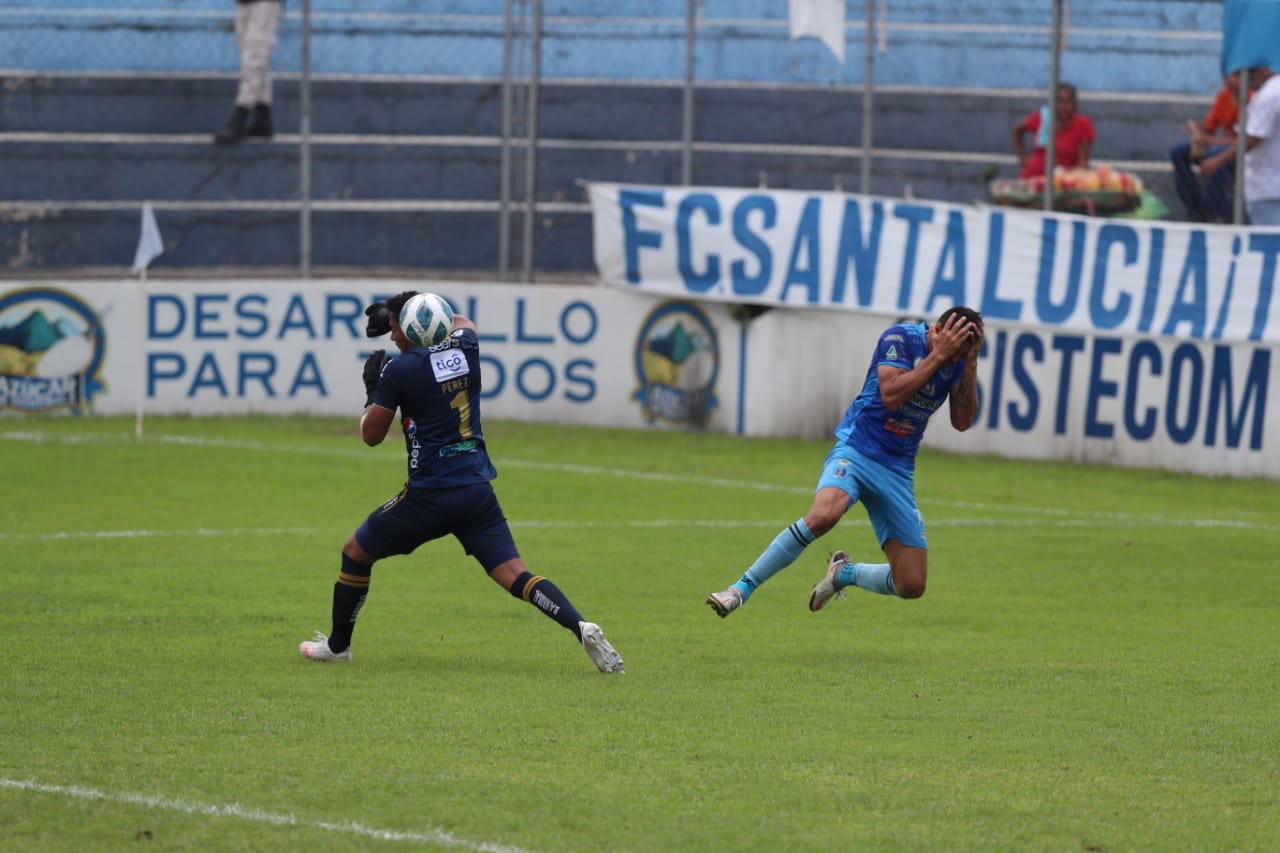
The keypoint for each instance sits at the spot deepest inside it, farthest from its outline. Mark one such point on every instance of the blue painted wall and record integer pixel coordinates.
(1170, 46)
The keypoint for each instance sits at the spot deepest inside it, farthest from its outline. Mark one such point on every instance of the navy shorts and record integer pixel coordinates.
(469, 513)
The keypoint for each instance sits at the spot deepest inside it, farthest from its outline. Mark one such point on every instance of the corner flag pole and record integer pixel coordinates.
(150, 246)
(142, 352)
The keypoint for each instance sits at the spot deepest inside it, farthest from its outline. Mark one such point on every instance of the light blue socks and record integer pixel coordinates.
(782, 552)
(873, 577)
(790, 544)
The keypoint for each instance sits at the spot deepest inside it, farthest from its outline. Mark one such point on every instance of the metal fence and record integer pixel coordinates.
(530, 97)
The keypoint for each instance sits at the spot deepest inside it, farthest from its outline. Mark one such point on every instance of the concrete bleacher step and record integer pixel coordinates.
(87, 140)
(1130, 127)
(201, 239)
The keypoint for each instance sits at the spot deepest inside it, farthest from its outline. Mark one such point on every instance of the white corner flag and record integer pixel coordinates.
(150, 246)
(820, 19)
(149, 243)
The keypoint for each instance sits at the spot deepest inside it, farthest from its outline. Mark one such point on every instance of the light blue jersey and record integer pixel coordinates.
(893, 438)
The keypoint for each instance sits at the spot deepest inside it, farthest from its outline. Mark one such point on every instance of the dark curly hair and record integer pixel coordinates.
(966, 313)
(396, 303)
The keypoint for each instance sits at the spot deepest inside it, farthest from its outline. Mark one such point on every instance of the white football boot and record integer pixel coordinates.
(318, 649)
(724, 603)
(829, 588)
(602, 654)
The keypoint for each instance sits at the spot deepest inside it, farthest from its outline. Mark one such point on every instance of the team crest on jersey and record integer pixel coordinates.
(52, 347)
(677, 360)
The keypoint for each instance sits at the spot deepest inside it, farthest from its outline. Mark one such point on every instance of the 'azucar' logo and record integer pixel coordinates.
(677, 360)
(51, 351)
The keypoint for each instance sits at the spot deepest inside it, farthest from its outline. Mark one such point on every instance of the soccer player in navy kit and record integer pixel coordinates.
(437, 390)
(916, 366)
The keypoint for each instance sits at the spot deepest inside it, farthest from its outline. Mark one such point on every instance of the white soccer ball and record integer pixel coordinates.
(426, 319)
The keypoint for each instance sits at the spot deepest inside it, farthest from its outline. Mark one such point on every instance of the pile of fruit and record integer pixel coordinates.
(1100, 190)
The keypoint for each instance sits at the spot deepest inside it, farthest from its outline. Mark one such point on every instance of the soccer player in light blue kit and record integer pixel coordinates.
(916, 366)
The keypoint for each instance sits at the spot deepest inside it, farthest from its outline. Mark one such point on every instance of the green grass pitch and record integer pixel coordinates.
(1093, 668)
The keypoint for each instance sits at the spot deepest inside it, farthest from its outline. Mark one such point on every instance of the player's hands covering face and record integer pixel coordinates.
(977, 336)
(957, 338)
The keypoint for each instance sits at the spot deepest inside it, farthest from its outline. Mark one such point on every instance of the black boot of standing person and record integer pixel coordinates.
(261, 124)
(235, 128)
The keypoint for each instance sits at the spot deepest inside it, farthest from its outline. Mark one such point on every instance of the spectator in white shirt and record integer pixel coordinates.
(1262, 149)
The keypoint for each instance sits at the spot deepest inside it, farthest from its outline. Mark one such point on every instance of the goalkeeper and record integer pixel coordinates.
(916, 366)
(449, 492)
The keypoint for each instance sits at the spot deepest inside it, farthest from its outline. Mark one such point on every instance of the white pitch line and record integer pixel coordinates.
(435, 836)
(1103, 521)
(147, 534)
(1099, 518)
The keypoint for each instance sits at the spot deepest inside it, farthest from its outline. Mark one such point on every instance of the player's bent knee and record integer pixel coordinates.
(821, 520)
(829, 506)
(908, 583)
(911, 589)
(352, 550)
(820, 525)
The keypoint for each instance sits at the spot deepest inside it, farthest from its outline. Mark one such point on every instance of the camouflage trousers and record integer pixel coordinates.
(256, 25)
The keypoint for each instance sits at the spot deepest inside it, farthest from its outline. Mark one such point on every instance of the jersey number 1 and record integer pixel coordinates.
(462, 403)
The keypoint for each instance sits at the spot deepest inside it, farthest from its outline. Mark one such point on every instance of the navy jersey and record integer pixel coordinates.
(438, 393)
(893, 438)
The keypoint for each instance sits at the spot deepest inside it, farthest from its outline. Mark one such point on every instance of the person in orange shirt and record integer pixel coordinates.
(1210, 199)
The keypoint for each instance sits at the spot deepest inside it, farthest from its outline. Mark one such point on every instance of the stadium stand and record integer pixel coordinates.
(108, 103)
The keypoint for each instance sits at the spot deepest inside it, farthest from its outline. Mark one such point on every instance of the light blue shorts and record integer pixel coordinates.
(888, 494)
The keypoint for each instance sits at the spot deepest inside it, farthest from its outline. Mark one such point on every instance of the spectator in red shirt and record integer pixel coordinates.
(1075, 135)
(1210, 200)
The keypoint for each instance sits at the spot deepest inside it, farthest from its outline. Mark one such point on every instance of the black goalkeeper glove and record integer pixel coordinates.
(372, 372)
(379, 320)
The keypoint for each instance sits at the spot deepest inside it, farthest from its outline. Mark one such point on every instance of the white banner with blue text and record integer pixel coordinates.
(602, 356)
(560, 354)
(915, 258)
